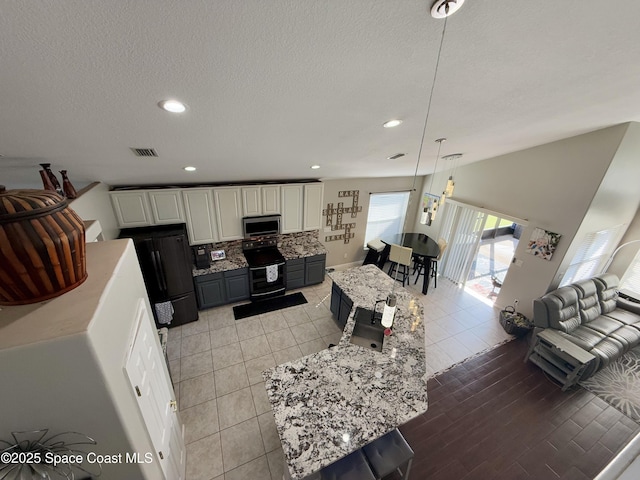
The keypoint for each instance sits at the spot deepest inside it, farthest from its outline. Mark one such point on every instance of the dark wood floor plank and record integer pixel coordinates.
(496, 416)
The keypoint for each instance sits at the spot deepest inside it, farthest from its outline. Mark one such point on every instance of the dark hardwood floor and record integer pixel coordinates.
(498, 417)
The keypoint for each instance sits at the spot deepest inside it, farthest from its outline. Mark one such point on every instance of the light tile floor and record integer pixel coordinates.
(216, 366)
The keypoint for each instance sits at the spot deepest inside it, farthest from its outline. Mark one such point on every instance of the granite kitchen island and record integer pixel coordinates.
(333, 402)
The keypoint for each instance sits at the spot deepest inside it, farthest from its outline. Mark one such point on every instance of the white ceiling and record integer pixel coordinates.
(276, 86)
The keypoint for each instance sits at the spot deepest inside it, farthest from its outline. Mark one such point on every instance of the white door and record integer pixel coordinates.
(166, 206)
(228, 206)
(313, 206)
(291, 208)
(270, 200)
(147, 372)
(251, 201)
(199, 214)
(131, 209)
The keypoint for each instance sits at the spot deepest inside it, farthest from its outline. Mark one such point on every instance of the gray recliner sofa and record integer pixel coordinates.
(591, 315)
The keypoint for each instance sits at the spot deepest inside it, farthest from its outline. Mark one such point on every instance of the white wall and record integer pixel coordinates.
(617, 199)
(95, 204)
(552, 186)
(624, 257)
(337, 251)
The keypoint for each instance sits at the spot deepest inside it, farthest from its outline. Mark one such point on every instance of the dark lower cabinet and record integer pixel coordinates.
(302, 272)
(221, 288)
(210, 290)
(237, 285)
(314, 268)
(295, 273)
(341, 305)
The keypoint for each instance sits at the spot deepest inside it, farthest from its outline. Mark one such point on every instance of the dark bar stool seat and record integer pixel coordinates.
(388, 453)
(376, 248)
(351, 467)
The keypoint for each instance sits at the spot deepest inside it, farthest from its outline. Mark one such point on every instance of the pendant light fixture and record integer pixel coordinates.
(440, 9)
(448, 189)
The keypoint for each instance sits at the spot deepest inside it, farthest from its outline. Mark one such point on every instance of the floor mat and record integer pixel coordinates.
(269, 305)
(618, 384)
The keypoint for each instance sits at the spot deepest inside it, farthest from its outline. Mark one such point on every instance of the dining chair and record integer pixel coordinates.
(419, 263)
(400, 258)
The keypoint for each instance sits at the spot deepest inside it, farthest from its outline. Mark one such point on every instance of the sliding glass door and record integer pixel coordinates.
(481, 246)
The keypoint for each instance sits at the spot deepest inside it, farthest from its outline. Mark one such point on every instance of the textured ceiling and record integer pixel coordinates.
(273, 87)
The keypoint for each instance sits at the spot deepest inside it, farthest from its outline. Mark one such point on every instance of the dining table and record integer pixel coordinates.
(422, 246)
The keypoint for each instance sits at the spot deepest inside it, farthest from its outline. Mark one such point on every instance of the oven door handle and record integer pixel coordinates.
(268, 293)
(262, 268)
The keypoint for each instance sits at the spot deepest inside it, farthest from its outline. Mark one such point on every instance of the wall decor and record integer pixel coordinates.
(338, 211)
(543, 243)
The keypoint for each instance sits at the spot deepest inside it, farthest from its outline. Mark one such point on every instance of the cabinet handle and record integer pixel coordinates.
(138, 391)
(161, 455)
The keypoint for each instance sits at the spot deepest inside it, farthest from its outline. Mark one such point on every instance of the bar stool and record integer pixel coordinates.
(375, 247)
(419, 264)
(401, 261)
(352, 467)
(388, 453)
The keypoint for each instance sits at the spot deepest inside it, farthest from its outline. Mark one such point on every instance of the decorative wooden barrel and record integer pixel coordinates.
(42, 246)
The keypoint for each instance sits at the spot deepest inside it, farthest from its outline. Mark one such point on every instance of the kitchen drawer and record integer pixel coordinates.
(208, 277)
(295, 264)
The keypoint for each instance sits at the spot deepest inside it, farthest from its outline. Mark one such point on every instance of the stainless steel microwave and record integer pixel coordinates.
(261, 226)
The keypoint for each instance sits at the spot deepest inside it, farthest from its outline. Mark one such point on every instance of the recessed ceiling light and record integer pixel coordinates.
(392, 123)
(190, 169)
(315, 167)
(172, 106)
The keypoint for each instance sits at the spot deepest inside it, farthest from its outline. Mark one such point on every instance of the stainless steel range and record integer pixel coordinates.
(266, 268)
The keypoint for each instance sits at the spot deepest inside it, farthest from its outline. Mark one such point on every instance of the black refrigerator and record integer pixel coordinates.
(166, 264)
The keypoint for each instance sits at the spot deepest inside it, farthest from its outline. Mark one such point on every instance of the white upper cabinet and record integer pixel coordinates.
(292, 197)
(166, 206)
(200, 216)
(270, 199)
(131, 208)
(313, 206)
(261, 200)
(228, 205)
(251, 201)
(215, 214)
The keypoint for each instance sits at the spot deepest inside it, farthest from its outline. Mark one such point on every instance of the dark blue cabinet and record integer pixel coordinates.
(221, 288)
(237, 285)
(210, 290)
(295, 273)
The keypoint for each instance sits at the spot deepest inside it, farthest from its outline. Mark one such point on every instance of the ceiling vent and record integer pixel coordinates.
(397, 155)
(144, 152)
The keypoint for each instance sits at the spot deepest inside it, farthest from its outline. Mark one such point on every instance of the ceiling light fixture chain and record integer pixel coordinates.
(439, 142)
(433, 85)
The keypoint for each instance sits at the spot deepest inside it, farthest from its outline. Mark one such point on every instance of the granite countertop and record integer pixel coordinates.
(331, 403)
(291, 246)
(234, 259)
(300, 245)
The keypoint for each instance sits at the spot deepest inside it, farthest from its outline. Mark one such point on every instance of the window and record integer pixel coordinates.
(387, 212)
(592, 254)
(630, 283)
